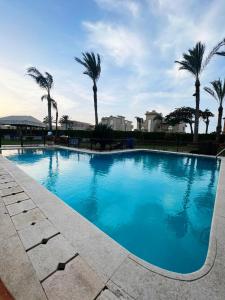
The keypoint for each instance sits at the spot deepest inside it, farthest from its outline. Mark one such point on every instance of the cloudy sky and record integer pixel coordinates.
(138, 41)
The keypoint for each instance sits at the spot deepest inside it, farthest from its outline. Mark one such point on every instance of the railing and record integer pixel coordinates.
(218, 154)
(23, 140)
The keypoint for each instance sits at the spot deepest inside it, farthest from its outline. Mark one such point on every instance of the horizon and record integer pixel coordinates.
(138, 42)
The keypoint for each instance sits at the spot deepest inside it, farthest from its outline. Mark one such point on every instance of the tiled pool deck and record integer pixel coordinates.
(49, 251)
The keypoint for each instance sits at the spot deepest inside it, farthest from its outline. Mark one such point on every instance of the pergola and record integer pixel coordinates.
(22, 121)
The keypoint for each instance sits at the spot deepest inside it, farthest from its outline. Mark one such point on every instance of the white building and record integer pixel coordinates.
(76, 125)
(117, 123)
(154, 122)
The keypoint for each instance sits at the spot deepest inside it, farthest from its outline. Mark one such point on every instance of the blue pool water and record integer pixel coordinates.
(158, 206)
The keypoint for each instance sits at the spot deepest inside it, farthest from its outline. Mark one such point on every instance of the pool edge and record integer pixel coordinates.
(25, 180)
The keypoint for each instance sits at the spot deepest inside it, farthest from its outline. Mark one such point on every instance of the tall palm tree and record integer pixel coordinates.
(194, 64)
(92, 64)
(45, 82)
(206, 114)
(218, 93)
(64, 120)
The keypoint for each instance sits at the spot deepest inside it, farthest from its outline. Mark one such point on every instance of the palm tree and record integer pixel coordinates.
(92, 64)
(206, 114)
(46, 120)
(45, 82)
(64, 120)
(55, 106)
(194, 64)
(218, 93)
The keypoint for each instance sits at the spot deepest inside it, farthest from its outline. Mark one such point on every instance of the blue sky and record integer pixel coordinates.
(137, 39)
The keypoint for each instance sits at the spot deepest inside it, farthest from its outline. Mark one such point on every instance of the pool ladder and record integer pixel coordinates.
(220, 152)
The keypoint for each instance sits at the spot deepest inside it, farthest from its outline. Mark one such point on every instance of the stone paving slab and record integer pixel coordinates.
(46, 257)
(107, 295)
(1, 202)
(33, 235)
(118, 292)
(6, 179)
(17, 272)
(77, 281)
(25, 219)
(6, 226)
(11, 191)
(8, 185)
(14, 198)
(104, 255)
(17, 208)
(3, 173)
(143, 284)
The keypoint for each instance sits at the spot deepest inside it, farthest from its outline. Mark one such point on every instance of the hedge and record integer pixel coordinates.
(145, 136)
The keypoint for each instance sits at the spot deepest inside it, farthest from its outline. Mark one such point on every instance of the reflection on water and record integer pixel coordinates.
(158, 206)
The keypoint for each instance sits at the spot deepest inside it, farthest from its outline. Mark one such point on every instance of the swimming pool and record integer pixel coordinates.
(159, 206)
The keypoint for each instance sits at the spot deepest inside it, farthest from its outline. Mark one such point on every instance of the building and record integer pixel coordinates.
(12, 122)
(154, 122)
(76, 125)
(117, 123)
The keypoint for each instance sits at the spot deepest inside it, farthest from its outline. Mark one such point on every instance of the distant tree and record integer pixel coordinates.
(102, 131)
(193, 63)
(64, 120)
(181, 115)
(205, 115)
(46, 121)
(45, 82)
(92, 64)
(218, 93)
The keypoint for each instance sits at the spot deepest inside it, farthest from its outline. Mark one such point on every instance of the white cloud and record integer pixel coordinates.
(121, 6)
(127, 48)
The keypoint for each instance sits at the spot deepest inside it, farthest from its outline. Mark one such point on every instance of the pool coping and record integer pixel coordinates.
(211, 253)
(57, 210)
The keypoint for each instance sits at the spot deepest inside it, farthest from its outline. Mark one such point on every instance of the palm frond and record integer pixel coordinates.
(44, 97)
(192, 60)
(45, 82)
(34, 71)
(211, 92)
(54, 104)
(213, 52)
(49, 79)
(92, 64)
(221, 53)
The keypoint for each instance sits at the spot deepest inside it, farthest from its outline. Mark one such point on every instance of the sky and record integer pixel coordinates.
(138, 41)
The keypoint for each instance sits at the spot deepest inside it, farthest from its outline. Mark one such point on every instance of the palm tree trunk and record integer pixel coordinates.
(49, 113)
(207, 126)
(191, 128)
(95, 102)
(56, 121)
(219, 124)
(197, 95)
